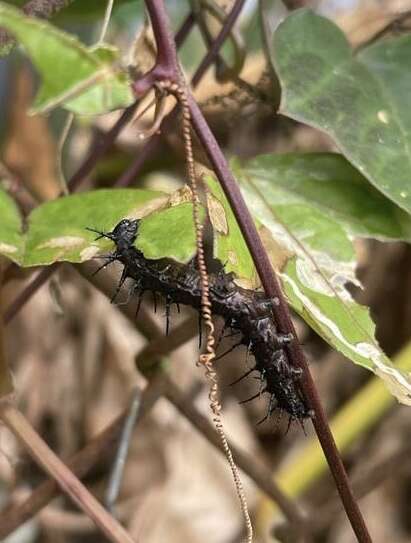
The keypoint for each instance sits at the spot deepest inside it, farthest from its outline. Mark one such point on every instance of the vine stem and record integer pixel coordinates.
(151, 146)
(166, 64)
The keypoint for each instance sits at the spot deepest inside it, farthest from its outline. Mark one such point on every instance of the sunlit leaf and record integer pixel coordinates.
(313, 256)
(327, 182)
(343, 323)
(229, 245)
(363, 102)
(170, 233)
(57, 230)
(85, 80)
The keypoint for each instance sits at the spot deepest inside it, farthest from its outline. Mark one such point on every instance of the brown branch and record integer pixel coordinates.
(65, 478)
(100, 449)
(364, 483)
(128, 177)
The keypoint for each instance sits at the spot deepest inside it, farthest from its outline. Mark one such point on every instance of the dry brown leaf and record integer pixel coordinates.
(30, 151)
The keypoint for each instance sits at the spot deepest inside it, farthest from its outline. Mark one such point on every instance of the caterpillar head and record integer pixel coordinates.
(124, 233)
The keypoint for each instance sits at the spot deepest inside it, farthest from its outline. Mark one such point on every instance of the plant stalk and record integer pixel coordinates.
(261, 260)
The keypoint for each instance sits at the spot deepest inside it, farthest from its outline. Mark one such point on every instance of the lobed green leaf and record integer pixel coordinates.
(362, 101)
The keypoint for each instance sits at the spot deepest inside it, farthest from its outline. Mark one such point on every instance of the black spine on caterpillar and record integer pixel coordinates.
(247, 311)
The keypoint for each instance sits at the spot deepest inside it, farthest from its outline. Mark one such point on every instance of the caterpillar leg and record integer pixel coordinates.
(140, 299)
(228, 350)
(252, 397)
(290, 420)
(123, 277)
(109, 259)
(226, 325)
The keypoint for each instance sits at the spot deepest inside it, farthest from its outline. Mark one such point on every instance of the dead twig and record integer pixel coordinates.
(100, 449)
(64, 477)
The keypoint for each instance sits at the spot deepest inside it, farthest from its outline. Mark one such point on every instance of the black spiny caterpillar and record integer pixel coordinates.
(245, 311)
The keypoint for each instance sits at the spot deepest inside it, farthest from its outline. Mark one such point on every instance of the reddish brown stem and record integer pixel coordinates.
(65, 478)
(283, 317)
(101, 448)
(128, 177)
(269, 281)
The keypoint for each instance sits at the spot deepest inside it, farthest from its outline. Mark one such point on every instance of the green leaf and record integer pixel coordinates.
(344, 324)
(85, 80)
(57, 229)
(314, 258)
(293, 226)
(11, 239)
(229, 245)
(327, 182)
(169, 233)
(362, 102)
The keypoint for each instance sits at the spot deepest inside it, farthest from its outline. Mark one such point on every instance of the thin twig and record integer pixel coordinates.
(68, 123)
(128, 177)
(106, 21)
(65, 478)
(100, 449)
(394, 25)
(28, 292)
(365, 482)
(116, 475)
(216, 45)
